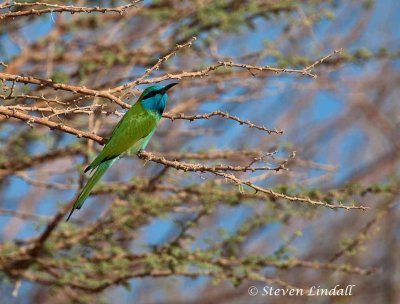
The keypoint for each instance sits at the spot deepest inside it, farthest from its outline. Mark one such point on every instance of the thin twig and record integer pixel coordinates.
(56, 8)
(199, 168)
(52, 125)
(63, 86)
(154, 67)
(221, 114)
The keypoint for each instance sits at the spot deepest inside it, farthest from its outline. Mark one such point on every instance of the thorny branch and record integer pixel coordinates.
(52, 125)
(56, 8)
(221, 114)
(156, 66)
(93, 108)
(143, 80)
(176, 165)
(62, 86)
(215, 170)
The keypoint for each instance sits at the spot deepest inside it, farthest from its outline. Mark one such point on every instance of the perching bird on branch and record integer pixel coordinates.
(133, 132)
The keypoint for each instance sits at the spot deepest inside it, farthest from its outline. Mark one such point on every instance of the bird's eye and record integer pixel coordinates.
(151, 94)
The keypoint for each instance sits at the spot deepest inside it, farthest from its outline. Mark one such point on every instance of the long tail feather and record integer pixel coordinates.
(100, 170)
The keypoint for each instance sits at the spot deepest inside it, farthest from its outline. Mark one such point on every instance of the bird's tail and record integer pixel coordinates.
(100, 170)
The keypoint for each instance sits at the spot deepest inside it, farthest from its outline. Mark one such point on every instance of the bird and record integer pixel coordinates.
(133, 132)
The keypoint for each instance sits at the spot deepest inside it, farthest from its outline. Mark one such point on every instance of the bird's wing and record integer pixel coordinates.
(136, 124)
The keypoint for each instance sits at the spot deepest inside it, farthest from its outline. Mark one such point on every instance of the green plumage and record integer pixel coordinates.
(133, 132)
(136, 124)
(100, 170)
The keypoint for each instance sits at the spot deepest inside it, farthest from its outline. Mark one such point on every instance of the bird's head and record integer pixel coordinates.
(154, 98)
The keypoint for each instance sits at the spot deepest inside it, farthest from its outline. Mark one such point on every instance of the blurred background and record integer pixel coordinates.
(153, 234)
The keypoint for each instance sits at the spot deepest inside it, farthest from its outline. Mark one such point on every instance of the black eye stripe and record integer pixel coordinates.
(151, 94)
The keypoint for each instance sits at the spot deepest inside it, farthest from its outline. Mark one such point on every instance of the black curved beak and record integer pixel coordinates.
(167, 87)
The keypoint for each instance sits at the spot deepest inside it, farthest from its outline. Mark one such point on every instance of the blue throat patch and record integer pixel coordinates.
(155, 103)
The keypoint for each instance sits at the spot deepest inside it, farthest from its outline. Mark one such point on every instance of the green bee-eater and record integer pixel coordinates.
(132, 132)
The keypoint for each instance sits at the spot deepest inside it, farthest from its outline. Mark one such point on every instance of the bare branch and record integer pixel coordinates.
(52, 125)
(154, 67)
(56, 8)
(223, 115)
(62, 86)
(199, 168)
